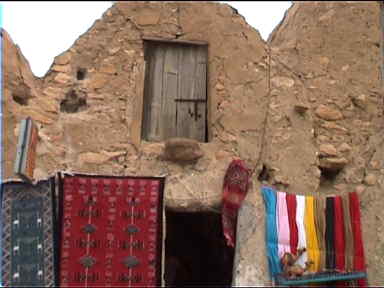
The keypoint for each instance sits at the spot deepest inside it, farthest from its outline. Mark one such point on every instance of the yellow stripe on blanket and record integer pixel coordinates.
(310, 231)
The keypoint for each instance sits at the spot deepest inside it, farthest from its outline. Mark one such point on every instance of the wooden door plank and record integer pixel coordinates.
(193, 87)
(136, 126)
(170, 89)
(188, 72)
(185, 110)
(154, 132)
(201, 93)
(200, 121)
(148, 97)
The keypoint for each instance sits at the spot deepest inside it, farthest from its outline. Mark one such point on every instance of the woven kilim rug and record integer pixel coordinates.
(111, 231)
(27, 234)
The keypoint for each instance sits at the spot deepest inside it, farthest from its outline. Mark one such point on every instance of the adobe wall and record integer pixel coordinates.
(325, 60)
(98, 138)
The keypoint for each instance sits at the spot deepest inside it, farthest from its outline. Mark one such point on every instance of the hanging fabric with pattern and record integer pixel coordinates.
(235, 188)
(28, 244)
(111, 231)
(269, 196)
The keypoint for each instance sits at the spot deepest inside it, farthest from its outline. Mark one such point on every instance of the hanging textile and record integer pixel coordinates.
(111, 231)
(339, 240)
(235, 187)
(28, 248)
(282, 225)
(311, 237)
(330, 233)
(25, 159)
(320, 229)
(293, 233)
(359, 259)
(348, 234)
(324, 228)
(269, 196)
(339, 235)
(302, 242)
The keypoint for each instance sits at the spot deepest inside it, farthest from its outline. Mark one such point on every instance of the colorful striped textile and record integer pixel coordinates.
(328, 227)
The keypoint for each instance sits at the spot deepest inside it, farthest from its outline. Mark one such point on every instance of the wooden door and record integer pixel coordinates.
(175, 92)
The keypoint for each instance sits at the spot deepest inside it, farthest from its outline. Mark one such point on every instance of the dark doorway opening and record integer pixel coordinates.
(195, 251)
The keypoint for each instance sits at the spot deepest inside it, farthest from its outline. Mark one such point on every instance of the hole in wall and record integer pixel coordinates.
(81, 73)
(20, 99)
(327, 176)
(72, 103)
(195, 251)
(264, 174)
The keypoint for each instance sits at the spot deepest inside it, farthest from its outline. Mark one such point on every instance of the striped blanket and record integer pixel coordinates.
(329, 228)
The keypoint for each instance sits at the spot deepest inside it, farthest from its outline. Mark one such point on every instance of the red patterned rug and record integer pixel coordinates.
(235, 188)
(111, 231)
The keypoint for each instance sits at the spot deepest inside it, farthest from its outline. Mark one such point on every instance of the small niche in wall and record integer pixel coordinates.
(327, 176)
(19, 99)
(81, 73)
(73, 103)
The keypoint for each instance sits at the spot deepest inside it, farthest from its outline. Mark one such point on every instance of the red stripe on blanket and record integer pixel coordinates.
(294, 236)
(358, 258)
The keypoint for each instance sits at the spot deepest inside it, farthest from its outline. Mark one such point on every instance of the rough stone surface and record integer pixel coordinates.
(328, 150)
(301, 108)
(323, 55)
(370, 179)
(344, 147)
(182, 149)
(333, 163)
(328, 113)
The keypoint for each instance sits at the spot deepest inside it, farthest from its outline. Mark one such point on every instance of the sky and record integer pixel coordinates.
(44, 30)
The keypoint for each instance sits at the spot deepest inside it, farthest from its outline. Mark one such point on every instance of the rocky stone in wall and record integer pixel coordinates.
(328, 113)
(182, 149)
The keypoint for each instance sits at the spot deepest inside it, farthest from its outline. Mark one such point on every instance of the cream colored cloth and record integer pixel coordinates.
(302, 242)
